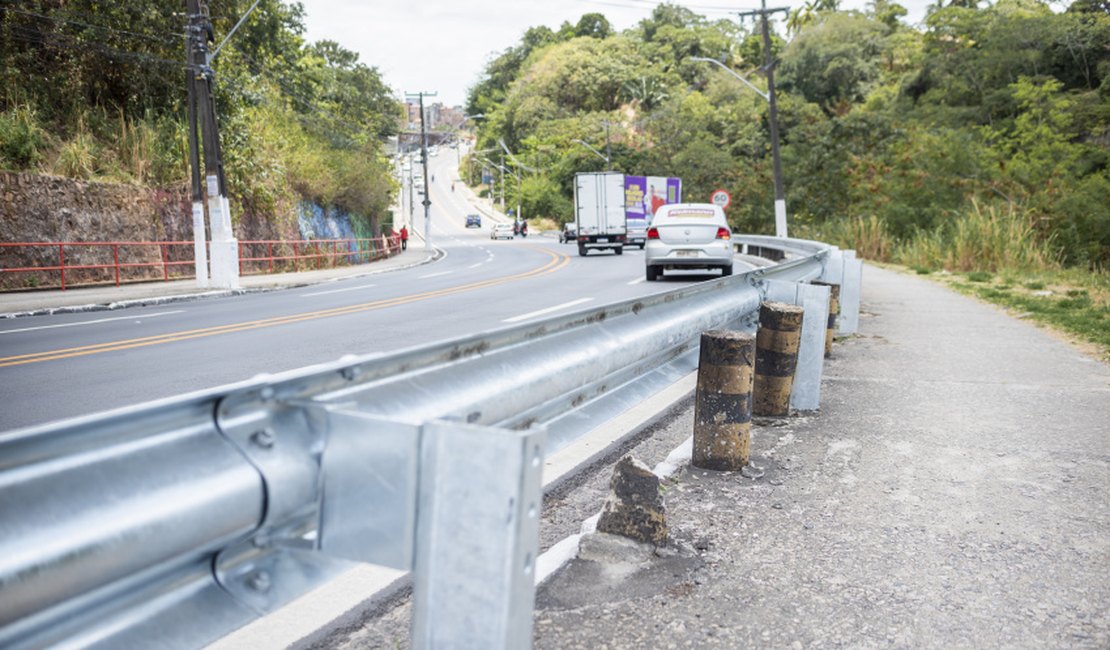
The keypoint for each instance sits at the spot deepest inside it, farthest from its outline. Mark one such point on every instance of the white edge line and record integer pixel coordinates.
(434, 275)
(321, 293)
(474, 266)
(548, 310)
(637, 281)
(91, 322)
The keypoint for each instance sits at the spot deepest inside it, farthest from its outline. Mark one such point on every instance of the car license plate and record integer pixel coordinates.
(686, 253)
(603, 240)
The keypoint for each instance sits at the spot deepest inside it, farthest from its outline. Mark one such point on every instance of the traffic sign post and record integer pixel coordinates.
(721, 198)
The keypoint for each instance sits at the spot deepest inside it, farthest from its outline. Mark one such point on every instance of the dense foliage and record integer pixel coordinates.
(97, 90)
(986, 121)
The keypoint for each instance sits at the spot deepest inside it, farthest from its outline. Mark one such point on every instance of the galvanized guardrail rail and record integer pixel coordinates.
(175, 522)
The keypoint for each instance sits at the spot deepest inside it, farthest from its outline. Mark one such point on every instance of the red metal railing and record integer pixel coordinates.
(97, 263)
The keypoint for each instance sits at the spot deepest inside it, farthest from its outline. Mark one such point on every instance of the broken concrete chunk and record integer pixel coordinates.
(634, 508)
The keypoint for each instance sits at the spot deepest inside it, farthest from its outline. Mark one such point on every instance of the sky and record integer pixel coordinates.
(443, 46)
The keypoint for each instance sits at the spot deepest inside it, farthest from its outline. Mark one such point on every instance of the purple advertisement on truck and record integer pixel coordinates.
(642, 197)
(644, 194)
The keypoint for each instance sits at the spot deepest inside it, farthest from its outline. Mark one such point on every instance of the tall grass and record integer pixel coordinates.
(988, 237)
(77, 157)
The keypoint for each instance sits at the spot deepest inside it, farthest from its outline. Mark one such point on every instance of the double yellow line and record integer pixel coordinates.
(556, 262)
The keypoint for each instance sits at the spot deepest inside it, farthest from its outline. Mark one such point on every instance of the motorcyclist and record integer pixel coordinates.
(523, 228)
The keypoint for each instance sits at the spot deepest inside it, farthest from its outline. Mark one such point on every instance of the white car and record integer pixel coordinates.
(501, 230)
(688, 236)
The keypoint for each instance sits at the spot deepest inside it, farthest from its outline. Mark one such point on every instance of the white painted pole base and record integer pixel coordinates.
(780, 218)
(200, 250)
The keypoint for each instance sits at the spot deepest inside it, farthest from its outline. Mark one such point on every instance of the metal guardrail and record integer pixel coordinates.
(175, 522)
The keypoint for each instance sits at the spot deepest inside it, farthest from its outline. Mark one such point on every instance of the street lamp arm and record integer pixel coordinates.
(513, 158)
(600, 155)
(729, 70)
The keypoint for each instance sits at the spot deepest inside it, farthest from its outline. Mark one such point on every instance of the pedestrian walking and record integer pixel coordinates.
(404, 238)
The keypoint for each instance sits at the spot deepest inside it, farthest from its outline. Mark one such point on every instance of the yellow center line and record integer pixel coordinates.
(557, 261)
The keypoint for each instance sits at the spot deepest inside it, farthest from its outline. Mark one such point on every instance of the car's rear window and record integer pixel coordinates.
(686, 213)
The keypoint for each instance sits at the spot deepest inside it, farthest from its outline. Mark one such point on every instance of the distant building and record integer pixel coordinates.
(435, 115)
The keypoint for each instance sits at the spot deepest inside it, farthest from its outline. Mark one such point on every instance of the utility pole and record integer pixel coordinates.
(769, 67)
(427, 179)
(608, 150)
(200, 240)
(502, 168)
(224, 247)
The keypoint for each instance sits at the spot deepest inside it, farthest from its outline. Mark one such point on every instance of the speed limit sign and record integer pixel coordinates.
(720, 198)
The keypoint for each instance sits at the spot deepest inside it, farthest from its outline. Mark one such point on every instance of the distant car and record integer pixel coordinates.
(473, 220)
(688, 236)
(568, 233)
(502, 230)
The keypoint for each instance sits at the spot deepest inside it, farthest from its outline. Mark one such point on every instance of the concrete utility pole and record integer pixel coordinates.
(224, 247)
(200, 239)
(424, 161)
(769, 67)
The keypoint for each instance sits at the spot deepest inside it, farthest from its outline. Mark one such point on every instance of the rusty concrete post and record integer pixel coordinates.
(723, 400)
(776, 356)
(634, 508)
(834, 310)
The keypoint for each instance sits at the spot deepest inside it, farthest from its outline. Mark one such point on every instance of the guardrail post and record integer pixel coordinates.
(850, 288)
(477, 536)
(805, 395)
(834, 311)
(723, 400)
(115, 257)
(62, 263)
(776, 357)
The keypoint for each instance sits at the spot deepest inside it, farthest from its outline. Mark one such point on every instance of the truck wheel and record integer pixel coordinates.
(642, 245)
(619, 250)
(652, 273)
(581, 250)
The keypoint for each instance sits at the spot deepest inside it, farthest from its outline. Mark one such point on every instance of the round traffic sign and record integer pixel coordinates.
(721, 198)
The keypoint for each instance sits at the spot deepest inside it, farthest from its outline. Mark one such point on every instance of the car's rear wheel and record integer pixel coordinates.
(726, 270)
(653, 273)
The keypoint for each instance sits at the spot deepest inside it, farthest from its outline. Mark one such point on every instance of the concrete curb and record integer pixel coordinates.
(436, 255)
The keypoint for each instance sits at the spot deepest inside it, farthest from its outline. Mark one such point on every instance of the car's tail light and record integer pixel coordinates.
(653, 233)
(723, 233)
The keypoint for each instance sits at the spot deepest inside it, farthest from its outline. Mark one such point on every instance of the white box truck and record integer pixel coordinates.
(599, 211)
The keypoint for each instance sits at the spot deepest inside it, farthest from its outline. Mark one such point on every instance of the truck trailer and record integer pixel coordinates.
(599, 211)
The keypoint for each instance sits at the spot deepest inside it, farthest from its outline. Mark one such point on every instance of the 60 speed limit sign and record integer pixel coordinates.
(720, 198)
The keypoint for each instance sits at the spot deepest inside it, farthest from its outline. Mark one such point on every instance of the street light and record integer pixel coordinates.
(601, 155)
(780, 193)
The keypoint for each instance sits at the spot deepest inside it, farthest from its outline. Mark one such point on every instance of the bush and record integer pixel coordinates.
(21, 138)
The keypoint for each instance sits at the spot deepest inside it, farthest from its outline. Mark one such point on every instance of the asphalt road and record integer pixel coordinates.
(66, 365)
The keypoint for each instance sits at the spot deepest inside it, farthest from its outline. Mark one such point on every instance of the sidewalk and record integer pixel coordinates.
(26, 303)
(953, 491)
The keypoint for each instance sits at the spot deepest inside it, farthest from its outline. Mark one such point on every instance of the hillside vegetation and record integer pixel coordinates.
(979, 141)
(96, 90)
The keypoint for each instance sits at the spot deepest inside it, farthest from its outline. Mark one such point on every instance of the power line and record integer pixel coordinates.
(58, 19)
(32, 36)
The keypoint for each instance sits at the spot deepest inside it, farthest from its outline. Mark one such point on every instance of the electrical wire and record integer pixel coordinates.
(58, 19)
(27, 35)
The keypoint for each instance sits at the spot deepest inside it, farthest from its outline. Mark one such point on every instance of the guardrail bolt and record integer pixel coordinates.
(259, 581)
(723, 400)
(264, 438)
(834, 311)
(776, 357)
(634, 508)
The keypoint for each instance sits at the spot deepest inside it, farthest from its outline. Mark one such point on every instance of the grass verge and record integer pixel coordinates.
(1073, 302)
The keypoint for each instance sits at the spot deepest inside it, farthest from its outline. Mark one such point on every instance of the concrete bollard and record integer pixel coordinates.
(723, 401)
(834, 310)
(776, 356)
(634, 508)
